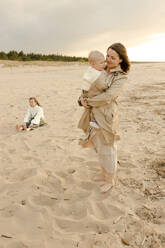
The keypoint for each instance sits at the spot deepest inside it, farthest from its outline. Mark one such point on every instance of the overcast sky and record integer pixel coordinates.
(75, 27)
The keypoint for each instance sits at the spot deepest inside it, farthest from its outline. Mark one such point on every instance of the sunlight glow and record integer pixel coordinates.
(153, 50)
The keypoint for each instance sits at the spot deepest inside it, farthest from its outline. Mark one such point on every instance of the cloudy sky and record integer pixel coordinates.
(74, 27)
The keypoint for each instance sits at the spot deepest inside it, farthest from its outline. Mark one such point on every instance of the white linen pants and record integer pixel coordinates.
(109, 160)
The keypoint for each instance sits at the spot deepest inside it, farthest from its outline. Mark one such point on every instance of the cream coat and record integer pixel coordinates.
(105, 109)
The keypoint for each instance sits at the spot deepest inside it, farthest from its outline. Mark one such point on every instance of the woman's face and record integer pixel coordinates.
(32, 103)
(112, 59)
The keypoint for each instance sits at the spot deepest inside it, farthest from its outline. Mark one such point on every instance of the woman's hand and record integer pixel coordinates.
(83, 102)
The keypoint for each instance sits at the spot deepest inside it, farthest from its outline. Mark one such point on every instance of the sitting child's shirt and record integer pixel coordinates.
(35, 115)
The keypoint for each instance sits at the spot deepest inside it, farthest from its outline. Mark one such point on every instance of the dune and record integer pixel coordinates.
(47, 196)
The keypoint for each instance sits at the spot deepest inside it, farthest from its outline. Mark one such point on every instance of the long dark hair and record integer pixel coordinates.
(122, 52)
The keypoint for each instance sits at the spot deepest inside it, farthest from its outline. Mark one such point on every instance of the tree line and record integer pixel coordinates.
(21, 56)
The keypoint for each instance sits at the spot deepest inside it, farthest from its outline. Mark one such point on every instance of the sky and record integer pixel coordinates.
(75, 27)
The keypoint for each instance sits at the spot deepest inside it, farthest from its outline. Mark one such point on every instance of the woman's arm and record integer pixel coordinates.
(109, 95)
(83, 103)
(82, 97)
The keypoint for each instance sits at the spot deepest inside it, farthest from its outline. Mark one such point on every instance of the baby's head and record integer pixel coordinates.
(96, 60)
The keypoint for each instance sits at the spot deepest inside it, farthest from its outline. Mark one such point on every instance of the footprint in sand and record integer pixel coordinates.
(18, 244)
(72, 210)
(159, 111)
(104, 211)
(65, 178)
(81, 174)
(76, 159)
(75, 193)
(160, 84)
(87, 185)
(2, 145)
(62, 174)
(9, 211)
(28, 174)
(52, 184)
(37, 160)
(11, 151)
(44, 200)
(83, 226)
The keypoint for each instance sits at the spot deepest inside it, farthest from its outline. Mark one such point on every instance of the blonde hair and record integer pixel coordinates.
(36, 101)
(93, 55)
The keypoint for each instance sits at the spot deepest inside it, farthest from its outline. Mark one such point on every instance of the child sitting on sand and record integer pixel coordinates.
(90, 87)
(34, 116)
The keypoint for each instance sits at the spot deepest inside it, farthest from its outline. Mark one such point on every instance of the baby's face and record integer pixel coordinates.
(99, 63)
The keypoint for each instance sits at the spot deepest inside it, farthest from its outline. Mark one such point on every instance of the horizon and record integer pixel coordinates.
(77, 56)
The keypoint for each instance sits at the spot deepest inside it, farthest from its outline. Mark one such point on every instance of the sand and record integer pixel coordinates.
(47, 196)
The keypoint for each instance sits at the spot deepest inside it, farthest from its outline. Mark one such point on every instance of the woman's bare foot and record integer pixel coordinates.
(110, 180)
(106, 187)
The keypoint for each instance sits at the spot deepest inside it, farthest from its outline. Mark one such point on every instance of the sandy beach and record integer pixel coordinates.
(47, 196)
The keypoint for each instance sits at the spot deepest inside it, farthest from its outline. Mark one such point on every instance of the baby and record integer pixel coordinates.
(90, 86)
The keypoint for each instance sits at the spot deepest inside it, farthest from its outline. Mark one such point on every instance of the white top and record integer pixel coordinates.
(89, 77)
(36, 113)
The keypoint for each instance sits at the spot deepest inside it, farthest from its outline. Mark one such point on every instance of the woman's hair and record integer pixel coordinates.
(36, 101)
(122, 52)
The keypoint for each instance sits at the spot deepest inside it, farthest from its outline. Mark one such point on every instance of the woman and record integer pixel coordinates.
(105, 111)
(34, 116)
